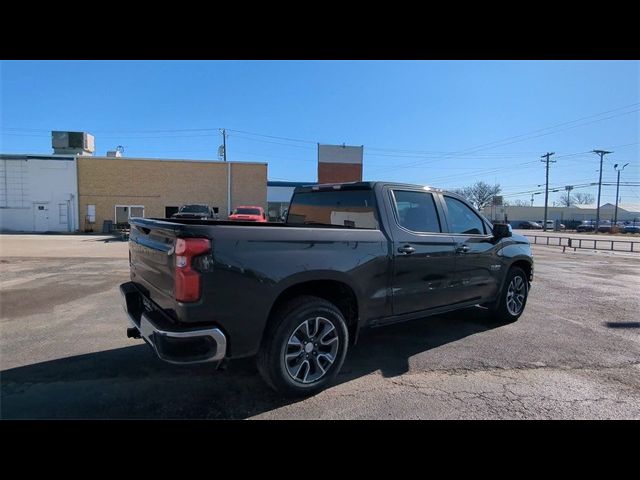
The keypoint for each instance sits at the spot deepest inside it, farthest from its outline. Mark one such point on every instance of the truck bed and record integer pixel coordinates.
(157, 223)
(248, 267)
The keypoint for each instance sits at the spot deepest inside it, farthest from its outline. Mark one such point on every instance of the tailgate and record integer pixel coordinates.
(152, 258)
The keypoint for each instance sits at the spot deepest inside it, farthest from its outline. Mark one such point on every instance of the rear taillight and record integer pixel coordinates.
(187, 280)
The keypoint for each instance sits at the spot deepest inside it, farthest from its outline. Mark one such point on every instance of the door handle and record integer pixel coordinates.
(462, 249)
(406, 249)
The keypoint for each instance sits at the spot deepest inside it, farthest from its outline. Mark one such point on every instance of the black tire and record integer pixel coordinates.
(273, 366)
(500, 311)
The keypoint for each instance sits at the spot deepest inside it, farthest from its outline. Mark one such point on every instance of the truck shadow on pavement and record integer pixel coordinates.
(130, 382)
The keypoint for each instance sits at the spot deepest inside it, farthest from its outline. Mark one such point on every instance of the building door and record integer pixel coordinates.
(40, 217)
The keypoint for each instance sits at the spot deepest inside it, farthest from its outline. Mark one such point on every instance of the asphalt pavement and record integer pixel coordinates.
(575, 352)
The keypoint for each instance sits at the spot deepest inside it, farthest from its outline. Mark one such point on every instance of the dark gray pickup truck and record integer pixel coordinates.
(297, 294)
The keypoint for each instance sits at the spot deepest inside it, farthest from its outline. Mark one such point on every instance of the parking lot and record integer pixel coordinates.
(575, 353)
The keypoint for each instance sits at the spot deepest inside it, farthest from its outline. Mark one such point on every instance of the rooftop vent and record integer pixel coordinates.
(117, 152)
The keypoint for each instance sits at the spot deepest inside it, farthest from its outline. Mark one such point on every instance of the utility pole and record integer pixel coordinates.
(568, 188)
(602, 153)
(224, 144)
(224, 156)
(532, 199)
(546, 189)
(615, 167)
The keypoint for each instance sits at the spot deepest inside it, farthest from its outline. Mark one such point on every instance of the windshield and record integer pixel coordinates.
(194, 209)
(246, 211)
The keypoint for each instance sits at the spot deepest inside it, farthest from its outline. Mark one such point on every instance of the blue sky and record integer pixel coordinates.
(442, 123)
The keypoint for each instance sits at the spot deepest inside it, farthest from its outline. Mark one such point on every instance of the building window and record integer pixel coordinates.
(91, 213)
(14, 184)
(124, 212)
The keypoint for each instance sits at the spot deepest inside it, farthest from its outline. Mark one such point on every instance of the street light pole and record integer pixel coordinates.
(615, 167)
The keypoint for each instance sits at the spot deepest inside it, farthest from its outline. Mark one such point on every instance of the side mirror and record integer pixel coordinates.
(501, 230)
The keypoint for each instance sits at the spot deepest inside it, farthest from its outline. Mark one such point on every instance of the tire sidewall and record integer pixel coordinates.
(283, 332)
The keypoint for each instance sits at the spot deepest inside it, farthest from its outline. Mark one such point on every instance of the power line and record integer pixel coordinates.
(271, 142)
(560, 187)
(501, 143)
(566, 123)
(399, 150)
(274, 136)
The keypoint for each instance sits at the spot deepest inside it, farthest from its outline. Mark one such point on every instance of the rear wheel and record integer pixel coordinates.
(304, 347)
(513, 297)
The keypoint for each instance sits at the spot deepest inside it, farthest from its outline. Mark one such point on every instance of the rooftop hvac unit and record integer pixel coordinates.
(72, 141)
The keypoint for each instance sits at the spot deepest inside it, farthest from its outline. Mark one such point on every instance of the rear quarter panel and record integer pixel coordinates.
(254, 265)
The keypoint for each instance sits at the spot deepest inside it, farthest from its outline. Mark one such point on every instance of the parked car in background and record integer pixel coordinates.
(586, 226)
(551, 225)
(526, 225)
(248, 214)
(606, 226)
(631, 228)
(196, 211)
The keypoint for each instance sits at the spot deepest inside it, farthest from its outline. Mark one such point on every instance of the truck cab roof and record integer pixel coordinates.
(361, 186)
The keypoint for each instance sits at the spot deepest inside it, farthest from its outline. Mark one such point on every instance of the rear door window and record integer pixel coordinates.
(416, 211)
(346, 208)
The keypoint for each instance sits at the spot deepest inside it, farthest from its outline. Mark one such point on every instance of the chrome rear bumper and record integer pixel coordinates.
(171, 344)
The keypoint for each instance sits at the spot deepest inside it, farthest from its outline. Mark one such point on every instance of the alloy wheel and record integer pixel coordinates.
(516, 295)
(311, 350)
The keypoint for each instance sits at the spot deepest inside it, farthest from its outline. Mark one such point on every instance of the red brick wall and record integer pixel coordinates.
(339, 172)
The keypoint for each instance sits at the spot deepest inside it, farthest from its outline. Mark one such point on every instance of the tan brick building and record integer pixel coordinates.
(113, 188)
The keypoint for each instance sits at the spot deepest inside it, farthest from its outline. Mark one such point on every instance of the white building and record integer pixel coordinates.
(38, 193)
(576, 213)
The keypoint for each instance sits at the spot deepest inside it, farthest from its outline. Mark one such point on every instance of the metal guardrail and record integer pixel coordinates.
(590, 244)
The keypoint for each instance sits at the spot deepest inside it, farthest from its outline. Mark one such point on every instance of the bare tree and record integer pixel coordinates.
(480, 193)
(517, 203)
(565, 201)
(583, 198)
(577, 199)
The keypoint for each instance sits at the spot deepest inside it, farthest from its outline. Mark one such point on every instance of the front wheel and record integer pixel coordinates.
(304, 347)
(513, 297)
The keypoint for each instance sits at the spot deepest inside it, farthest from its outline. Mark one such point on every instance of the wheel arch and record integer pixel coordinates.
(525, 265)
(338, 292)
